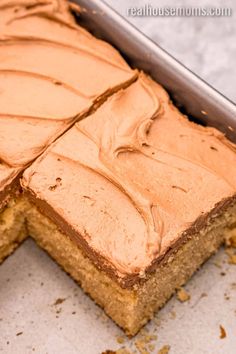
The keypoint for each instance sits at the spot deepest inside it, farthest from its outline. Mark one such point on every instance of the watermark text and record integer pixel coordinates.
(152, 11)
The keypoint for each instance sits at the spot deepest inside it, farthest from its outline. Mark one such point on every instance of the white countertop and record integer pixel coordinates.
(205, 45)
(30, 282)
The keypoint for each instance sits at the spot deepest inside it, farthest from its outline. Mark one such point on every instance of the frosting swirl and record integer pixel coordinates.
(140, 175)
(52, 73)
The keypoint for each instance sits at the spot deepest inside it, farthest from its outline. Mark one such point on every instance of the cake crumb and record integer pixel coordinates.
(213, 148)
(231, 255)
(233, 286)
(59, 301)
(150, 337)
(217, 264)
(147, 337)
(226, 296)
(173, 314)
(164, 350)
(182, 295)
(54, 187)
(19, 333)
(119, 351)
(120, 340)
(151, 347)
(231, 241)
(140, 345)
(222, 332)
(144, 345)
(123, 351)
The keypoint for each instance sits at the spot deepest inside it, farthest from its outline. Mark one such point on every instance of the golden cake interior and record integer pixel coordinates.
(12, 226)
(132, 308)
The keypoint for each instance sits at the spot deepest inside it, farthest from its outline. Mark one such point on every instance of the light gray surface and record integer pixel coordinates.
(30, 282)
(207, 46)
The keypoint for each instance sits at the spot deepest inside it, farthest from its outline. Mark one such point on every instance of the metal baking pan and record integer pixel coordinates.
(190, 93)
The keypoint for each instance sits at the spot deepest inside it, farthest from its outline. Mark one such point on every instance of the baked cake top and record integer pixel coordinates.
(132, 179)
(52, 72)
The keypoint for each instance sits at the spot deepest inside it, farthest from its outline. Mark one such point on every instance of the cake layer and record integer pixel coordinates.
(132, 308)
(52, 72)
(12, 226)
(133, 181)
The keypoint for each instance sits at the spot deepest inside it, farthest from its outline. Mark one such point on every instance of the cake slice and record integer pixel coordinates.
(132, 200)
(52, 73)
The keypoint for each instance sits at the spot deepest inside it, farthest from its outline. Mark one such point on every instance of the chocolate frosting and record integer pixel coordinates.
(129, 180)
(52, 72)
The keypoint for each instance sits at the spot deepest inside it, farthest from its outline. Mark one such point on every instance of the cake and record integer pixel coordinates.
(132, 200)
(101, 169)
(52, 73)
